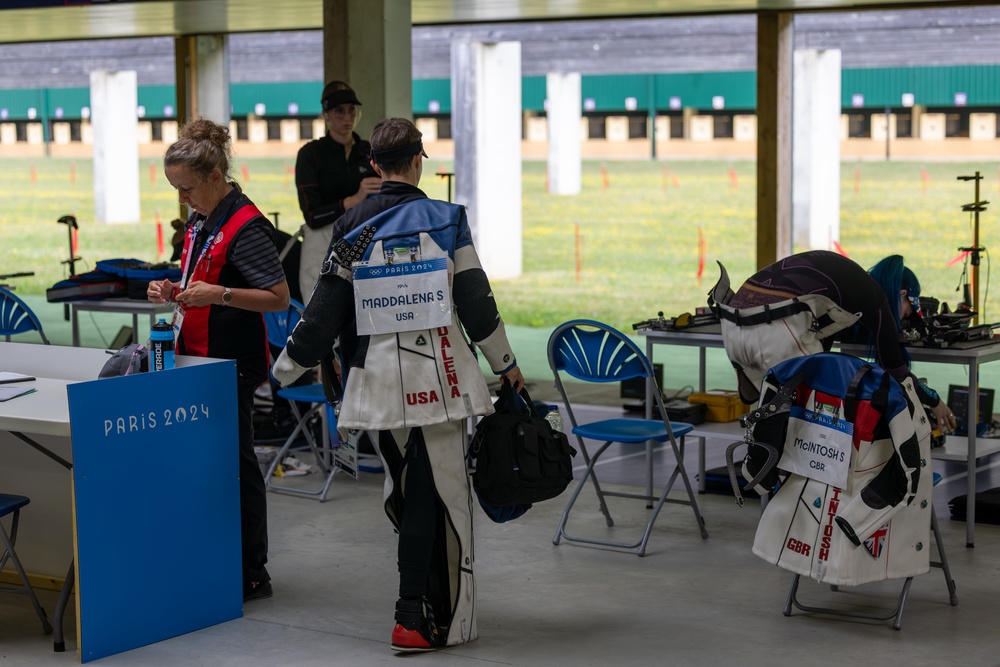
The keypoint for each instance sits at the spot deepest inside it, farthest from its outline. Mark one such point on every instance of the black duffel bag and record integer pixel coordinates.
(519, 458)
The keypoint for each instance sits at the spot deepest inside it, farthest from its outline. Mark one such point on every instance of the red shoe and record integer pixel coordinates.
(415, 629)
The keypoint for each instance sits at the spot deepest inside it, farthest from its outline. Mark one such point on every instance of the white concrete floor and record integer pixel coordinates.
(688, 602)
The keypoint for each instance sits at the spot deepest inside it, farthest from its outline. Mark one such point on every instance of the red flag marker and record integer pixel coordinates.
(673, 180)
(734, 182)
(34, 175)
(76, 239)
(246, 173)
(840, 249)
(701, 254)
(925, 180)
(152, 174)
(604, 176)
(958, 258)
(159, 234)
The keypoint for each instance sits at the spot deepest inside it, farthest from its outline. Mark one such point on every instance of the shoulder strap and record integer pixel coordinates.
(244, 214)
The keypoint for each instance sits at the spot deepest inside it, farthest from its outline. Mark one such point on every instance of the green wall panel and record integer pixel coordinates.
(881, 87)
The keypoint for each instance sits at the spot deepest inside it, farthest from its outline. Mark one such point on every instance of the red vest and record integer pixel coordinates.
(196, 332)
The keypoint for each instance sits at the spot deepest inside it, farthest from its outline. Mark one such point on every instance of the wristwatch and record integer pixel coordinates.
(227, 297)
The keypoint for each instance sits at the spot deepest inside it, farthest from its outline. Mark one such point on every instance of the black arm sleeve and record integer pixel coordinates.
(330, 309)
(477, 308)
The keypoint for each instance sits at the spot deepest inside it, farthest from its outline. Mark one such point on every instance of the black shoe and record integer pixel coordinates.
(257, 590)
(415, 628)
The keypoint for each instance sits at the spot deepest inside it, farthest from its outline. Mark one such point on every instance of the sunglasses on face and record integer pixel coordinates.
(344, 111)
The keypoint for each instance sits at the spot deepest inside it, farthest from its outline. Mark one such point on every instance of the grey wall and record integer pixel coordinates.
(963, 36)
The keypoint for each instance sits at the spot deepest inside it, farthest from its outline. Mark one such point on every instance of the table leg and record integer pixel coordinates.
(973, 421)
(649, 415)
(58, 641)
(701, 369)
(701, 465)
(75, 326)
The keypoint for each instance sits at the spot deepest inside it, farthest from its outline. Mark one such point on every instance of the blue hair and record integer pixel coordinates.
(893, 275)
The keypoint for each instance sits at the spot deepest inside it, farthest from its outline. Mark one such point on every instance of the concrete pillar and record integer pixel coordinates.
(932, 126)
(536, 129)
(60, 133)
(816, 152)
(562, 92)
(113, 97)
(982, 126)
(687, 114)
(661, 128)
(202, 74)
(319, 128)
(144, 132)
(34, 133)
(744, 127)
(774, 136)
(289, 130)
(486, 127)
(429, 128)
(916, 111)
(367, 43)
(879, 127)
(168, 132)
(701, 128)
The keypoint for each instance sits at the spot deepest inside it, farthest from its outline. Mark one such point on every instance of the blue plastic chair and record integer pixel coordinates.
(12, 505)
(279, 325)
(595, 352)
(16, 317)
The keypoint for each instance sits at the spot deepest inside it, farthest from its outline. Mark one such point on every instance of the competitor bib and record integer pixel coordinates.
(818, 445)
(407, 296)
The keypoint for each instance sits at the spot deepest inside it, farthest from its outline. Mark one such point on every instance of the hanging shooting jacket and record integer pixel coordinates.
(875, 527)
(220, 331)
(410, 281)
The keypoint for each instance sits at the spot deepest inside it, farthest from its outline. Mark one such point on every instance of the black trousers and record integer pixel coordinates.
(417, 529)
(253, 495)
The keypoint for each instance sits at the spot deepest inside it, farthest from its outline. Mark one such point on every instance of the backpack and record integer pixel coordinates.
(129, 360)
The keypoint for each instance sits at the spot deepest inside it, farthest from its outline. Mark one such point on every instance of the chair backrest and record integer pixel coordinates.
(16, 317)
(595, 352)
(279, 324)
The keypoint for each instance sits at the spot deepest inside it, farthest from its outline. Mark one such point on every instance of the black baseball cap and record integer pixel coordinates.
(334, 95)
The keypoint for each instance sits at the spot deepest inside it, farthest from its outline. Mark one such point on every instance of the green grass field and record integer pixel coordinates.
(638, 237)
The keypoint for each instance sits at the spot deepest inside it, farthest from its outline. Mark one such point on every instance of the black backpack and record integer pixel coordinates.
(519, 459)
(129, 360)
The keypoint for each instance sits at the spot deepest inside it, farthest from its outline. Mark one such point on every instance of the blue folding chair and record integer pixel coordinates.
(595, 352)
(16, 317)
(279, 325)
(10, 504)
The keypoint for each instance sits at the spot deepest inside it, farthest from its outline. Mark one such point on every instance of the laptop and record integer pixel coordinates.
(958, 401)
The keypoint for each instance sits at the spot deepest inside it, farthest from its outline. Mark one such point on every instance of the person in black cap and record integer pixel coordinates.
(332, 174)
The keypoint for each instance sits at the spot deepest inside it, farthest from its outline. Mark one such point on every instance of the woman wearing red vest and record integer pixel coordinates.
(230, 275)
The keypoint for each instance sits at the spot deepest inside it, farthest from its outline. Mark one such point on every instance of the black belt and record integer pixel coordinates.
(766, 317)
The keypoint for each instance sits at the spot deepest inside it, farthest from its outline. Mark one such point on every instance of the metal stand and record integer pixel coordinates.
(976, 207)
(895, 614)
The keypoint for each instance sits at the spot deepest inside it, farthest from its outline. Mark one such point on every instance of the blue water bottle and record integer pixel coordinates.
(161, 338)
